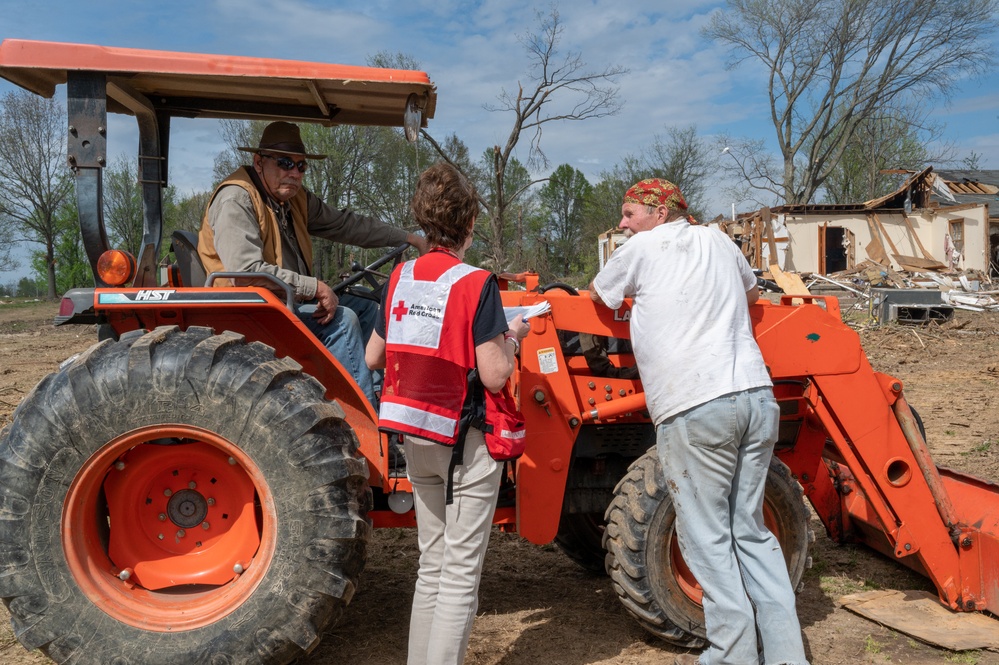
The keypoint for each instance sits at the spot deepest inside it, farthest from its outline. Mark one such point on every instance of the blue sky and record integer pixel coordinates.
(472, 53)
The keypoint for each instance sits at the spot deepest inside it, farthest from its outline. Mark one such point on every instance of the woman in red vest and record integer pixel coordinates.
(441, 319)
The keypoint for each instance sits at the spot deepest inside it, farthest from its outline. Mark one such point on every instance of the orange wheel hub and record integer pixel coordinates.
(168, 528)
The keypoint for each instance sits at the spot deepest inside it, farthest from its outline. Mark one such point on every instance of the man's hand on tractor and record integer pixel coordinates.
(419, 242)
(326, 302)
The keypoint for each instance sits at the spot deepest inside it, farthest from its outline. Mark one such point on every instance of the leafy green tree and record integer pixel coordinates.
(32, 287)
(562, 200)
(832, 64)
(72, 266)
(34, 180)
(184, 213)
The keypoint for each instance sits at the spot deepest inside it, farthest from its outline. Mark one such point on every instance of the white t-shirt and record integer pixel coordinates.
(690, 325)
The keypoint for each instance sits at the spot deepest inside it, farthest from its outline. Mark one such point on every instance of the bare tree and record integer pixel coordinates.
(560, 88)
(686, 160)
(34, 179)
(834, 63)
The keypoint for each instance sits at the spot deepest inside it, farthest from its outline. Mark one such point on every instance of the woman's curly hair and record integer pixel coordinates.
(445, 205)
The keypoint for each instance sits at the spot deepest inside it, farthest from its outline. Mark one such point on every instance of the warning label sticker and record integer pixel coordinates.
(547, 360)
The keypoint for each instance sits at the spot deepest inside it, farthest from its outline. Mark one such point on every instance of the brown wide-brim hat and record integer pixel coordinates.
(282, 137)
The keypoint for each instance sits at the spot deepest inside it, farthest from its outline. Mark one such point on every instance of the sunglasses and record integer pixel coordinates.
(287, 163)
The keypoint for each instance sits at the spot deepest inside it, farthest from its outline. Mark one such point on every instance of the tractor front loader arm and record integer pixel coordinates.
(867, 472)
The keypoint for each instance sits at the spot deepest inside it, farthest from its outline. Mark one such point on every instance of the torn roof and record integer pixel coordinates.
(919, 187)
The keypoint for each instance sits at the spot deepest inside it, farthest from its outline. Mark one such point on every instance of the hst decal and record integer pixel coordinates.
(174, 297)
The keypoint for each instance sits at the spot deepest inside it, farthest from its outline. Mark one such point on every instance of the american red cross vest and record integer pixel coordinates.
(429, 347)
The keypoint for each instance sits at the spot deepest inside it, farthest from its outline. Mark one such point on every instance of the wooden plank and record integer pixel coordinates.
(823, 227)
(910, 263)
(789, 282)
(916, 263)
(884, 234)
(875, 250)
(767, 217)
(851, 252)
(920, 614)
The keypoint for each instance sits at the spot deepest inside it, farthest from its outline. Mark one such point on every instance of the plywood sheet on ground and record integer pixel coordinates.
(920, 614)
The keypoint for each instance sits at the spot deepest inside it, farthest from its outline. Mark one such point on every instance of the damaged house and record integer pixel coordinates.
(930, 223)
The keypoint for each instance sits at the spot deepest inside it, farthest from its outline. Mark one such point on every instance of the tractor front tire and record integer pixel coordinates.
(644, 561)
(179, 497)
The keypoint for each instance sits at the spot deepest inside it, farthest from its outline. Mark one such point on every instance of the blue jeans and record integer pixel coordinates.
(367, 313)
(366, 310)
(715, 457)
(342, 336)
(453, 540)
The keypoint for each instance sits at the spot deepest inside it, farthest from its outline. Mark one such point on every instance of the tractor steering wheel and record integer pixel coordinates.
(375, 280)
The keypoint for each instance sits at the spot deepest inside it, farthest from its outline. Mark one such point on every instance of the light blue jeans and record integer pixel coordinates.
(453, 540)
(715, 457)
(342, 336)
(367, 313)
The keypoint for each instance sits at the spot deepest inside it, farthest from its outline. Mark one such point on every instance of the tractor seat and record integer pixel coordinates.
(185, 247)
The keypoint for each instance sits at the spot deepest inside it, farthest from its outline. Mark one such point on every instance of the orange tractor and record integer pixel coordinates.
(200, 485)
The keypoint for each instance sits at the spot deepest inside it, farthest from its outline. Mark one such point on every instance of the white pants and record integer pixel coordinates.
(453, 542)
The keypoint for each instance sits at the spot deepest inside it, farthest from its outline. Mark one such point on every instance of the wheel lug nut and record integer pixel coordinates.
(192, 485)
(167, 492)
(162, 517)
(181, 533)
(232, 461)
(119, 465)
(238, 569)
(160, 536)
(125, 574)
(205, 526)
(211, 501)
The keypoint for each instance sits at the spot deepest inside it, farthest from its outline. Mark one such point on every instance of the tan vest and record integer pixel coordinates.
(266, 219)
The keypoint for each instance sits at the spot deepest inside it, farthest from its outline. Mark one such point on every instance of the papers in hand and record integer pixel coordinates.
(530, 312)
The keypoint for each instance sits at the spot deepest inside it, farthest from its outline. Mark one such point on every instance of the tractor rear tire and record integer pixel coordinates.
(206, 412)
(644, 561)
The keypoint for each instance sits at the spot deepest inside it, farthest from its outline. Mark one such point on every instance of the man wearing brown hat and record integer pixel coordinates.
(710, 396)
(261, 219)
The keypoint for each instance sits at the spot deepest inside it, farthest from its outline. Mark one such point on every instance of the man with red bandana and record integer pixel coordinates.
(261, 219)
(710, 396)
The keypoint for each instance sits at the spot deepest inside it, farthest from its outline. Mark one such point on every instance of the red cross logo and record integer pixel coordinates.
(400, 310)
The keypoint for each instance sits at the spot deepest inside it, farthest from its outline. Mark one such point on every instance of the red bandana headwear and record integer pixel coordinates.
(656, 192)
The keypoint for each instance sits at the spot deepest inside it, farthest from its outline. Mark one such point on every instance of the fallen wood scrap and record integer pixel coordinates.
(789, 282)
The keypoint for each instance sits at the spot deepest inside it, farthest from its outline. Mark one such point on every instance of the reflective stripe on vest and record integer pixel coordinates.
(418, 418)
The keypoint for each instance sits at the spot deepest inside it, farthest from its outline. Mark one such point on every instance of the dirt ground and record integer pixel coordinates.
(536, 606)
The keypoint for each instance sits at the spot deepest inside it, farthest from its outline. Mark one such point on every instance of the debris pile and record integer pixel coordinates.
(916, 297)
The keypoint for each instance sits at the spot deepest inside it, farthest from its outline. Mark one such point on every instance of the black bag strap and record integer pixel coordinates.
(473, 414)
